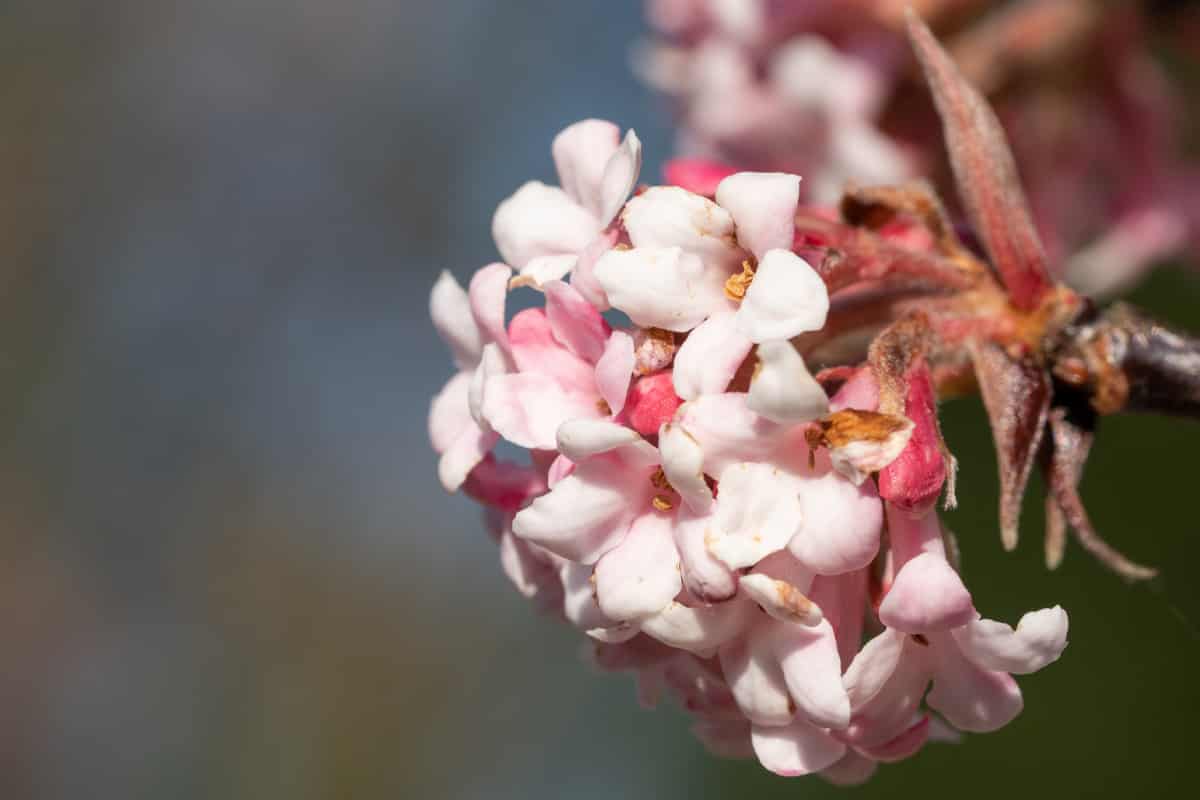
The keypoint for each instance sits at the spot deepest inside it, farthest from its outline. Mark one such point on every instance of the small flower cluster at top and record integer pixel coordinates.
(694, 500)
(823, 87)
(766, 85)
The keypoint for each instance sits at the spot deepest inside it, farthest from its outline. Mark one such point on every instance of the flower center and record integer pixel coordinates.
(736, 286)
(665, 500)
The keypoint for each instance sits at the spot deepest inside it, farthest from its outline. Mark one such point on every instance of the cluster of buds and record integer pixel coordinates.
(825, 88)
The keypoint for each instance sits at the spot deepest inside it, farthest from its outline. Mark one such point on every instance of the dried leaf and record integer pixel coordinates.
(1070, 444)
(1063, 459)
(1016, 395)
(985, 173)
(873, 207)
(854, 254)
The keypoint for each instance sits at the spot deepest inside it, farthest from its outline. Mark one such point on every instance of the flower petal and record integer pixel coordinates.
(710, 356)
(559, 468)
(619, 634)
(463, 455)
(796, 749)
(969, 697)
(527, 408)
(812, 669)
(786, 298)
(540, 220)
(758, 512)
(543, 269)
(763, 205)
(584, 516)
(640, 576)
(727, 431)
(536, 350)
(583, 278)
(927, 595)
(704, 575)
(894, 705)
(872, 668)
(843, 600)
(943, 732)
(620, 176)
(782, 389)
(614, 371)
(579, 597)
(491, 364)
(531, 574)
(780, 599)
(450, 309)
(661, 287)
(906, 744)
(488, 291)
(668, 216)
(756, 680)
(504, 485)
(683, 462)
(581, 152)
(450, 412)
(580, 439)
(841, 526)
(860, 391)
(698, 630)
(575, 322)
(1039, 640)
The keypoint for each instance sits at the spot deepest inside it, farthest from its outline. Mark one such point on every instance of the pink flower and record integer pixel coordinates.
(569, 365)
(687, 248)
(693, 501)
(828, 524)
(756, 88)
(542, 230)
(468, 323)
(969, 667)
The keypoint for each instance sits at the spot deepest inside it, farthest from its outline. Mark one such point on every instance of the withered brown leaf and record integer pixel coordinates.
(1016, 394)
(985, 173)
(1069, 445)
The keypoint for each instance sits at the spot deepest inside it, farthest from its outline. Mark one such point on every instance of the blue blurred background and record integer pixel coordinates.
(228, 569)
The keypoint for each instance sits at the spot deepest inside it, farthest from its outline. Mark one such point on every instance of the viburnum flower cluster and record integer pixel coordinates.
(759, 542)
(824, 88)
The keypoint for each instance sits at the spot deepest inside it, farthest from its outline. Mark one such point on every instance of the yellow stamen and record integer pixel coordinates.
(659, 480)
(736, 286)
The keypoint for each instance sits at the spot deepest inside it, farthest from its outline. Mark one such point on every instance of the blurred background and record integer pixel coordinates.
(228, 569)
